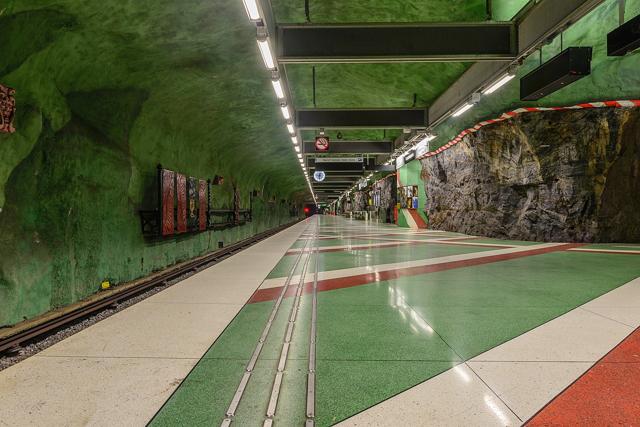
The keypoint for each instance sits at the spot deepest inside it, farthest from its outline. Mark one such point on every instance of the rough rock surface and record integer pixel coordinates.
(553, 176)
(360, 201)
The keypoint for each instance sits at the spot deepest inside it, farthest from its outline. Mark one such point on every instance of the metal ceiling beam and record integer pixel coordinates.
(313, 44)
(350, 147)
(343, 174)
(536, 24)
(328, 167)
(394, 118)
(322, 186)
(339, 179)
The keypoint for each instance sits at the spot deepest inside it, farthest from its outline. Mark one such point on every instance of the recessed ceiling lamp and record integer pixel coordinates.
(499, 83)
(300, 156)
(297, 149)
(277, 88)
(285, 112)
(291, 129)
(267, 56)
(251, 6)
(294, 139)
(460, 111)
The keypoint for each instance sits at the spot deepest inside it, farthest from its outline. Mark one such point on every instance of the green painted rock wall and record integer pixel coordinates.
(106, 90)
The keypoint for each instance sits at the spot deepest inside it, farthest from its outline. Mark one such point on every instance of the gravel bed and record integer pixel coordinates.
(49, 340)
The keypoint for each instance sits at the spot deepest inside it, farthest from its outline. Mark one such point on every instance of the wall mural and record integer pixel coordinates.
(184, 207)
(168, 191)
(181, 185)
(203, 205)
(7, 109)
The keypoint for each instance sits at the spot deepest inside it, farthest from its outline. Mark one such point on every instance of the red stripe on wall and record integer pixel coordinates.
(417, 218)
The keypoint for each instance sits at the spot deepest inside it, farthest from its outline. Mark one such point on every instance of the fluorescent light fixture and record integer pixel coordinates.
(497, 85)
(300, 156)
(294, 139)
(291, 129)
(460, 111)
(285, 112)
(251, 6)
(297, 149)
(277, 88)
(267, 56)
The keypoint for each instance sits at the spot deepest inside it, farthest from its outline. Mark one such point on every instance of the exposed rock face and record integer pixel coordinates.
(387, 192)
(359, 201)
(553, 176)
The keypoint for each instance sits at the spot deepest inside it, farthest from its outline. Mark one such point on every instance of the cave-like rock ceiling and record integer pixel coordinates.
(197, 62)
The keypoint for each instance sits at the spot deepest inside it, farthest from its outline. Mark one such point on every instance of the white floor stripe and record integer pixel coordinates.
(614, 251)
(353, 246)
(524, 373)
(333, 274)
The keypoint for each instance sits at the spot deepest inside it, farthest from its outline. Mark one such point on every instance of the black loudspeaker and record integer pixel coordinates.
(625, 38)
(563, 69)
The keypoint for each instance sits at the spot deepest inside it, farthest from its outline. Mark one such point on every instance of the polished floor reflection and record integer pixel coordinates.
(413, 328)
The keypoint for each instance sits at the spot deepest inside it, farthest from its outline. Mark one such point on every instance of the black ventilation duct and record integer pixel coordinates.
(625, 38)
(563, 69)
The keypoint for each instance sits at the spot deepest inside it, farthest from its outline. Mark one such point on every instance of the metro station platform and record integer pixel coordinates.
(335, 321)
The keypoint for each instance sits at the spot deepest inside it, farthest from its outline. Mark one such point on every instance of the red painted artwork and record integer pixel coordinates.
(168, 182)
(181, 189)
(192, 204)
(202, 204)
(7, 109)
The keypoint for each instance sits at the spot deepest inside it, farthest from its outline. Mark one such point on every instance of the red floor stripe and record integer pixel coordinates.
(391, 245)
(608, 394)
(362, 279)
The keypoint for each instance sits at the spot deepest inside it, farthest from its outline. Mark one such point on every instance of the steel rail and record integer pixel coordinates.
(51, 326)
(286, 343)
(311, 375)
(237, 397)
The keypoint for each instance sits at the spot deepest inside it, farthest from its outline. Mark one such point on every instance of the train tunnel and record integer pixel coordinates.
(308, 212)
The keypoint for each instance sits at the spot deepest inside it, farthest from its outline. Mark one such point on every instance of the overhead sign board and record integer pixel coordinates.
(338, 159)
(322, 143)
(409, 156)
(422, 148)
(319, 176)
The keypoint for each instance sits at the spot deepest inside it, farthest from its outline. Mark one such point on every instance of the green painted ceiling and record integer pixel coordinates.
(207, 103)
(612, 78)
(374, 85)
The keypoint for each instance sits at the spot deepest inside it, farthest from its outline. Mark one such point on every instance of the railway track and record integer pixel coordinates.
(12, 343)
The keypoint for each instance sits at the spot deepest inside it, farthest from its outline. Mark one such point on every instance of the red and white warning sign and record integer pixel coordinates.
(322, 143)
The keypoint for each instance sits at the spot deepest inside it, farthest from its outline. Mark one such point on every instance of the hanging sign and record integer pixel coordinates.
(319, 176)
(322, 143)
(339, 160)
(409, 156)
(422, 147)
